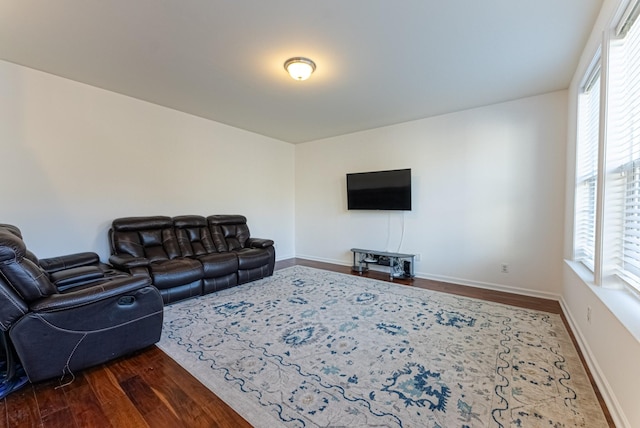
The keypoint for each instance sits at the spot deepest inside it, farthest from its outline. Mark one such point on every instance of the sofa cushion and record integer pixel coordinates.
(133, 224)
(181, 292)
(27, 278)
(249, 258)
(194, 237)
(229, 232)
(219, 264)
(16, 231)
(171, 273)
(150, 237)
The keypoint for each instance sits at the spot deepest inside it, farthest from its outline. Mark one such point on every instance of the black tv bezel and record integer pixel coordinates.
(381, 204)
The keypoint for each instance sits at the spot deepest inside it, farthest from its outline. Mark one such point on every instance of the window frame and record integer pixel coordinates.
(587, 152)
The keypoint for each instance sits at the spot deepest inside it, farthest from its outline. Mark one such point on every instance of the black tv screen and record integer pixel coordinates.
(379, 190)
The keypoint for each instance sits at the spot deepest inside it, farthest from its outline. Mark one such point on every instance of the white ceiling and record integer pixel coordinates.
(379, 62)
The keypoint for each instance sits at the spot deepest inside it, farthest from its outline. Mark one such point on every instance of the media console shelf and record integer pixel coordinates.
(400, 265)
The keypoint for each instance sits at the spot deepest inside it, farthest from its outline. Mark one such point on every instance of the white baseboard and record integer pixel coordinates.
(459, 281)
(280, 257)
(492, 286)
(613, 406)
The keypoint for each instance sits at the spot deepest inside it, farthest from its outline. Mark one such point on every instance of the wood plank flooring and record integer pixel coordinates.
(149, 389)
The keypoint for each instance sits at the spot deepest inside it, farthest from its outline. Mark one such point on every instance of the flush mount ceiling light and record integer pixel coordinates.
(299, 68)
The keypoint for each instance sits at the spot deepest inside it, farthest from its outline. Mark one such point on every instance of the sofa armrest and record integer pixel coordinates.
(69, 261)
(13, 307)
(109, 289)
(66, 278)
(128, 262)
(259, 243)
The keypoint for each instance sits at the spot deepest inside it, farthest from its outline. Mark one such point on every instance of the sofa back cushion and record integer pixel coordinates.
(25, 277)
(194, 237)
(16, 231)
(152, 238)
(229, 232)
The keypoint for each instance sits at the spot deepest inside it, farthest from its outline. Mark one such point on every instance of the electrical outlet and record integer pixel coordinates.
(504, 268)
(589, 314)
(418, 257)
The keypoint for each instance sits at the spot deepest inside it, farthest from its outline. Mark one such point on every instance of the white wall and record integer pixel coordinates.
(611, 341)
(488, 188)
(612, 350)
(74, 157)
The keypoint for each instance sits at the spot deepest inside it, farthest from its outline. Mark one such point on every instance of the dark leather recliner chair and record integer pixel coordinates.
(58, 332)
(69, 270)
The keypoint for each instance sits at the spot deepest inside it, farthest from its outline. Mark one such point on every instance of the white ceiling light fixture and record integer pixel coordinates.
(299, 68)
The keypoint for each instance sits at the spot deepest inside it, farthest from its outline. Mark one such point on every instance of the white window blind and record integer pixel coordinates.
(624, 140)
(587, 168)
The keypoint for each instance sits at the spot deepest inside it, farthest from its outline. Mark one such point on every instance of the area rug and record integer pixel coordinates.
(312, 348)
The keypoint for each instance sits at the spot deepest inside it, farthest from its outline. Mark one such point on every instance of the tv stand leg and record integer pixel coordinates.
(358, 265)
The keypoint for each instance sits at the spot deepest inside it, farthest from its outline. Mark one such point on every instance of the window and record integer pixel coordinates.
(607, 194)
(587, 167)
(622, 204)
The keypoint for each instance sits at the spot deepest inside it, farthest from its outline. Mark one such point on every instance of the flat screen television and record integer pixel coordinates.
(379, 190)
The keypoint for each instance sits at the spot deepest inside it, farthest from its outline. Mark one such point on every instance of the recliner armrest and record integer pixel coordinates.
(259, 243)
(69, 261)
(89, 295)
(12, 305)
(128, 262)
(66, 278)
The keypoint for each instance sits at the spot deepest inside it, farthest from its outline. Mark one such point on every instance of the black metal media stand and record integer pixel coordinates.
(400, 265)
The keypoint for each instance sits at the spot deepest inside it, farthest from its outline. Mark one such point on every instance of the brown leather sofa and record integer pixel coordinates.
(68, 313)
(190, 255)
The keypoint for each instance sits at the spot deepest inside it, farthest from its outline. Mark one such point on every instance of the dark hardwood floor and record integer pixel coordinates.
(149, 389)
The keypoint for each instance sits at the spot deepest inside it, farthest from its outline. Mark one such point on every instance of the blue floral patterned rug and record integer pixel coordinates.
(311, 348)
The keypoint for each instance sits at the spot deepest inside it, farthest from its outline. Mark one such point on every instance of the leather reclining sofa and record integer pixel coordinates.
(68, 313)
(190, 255)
